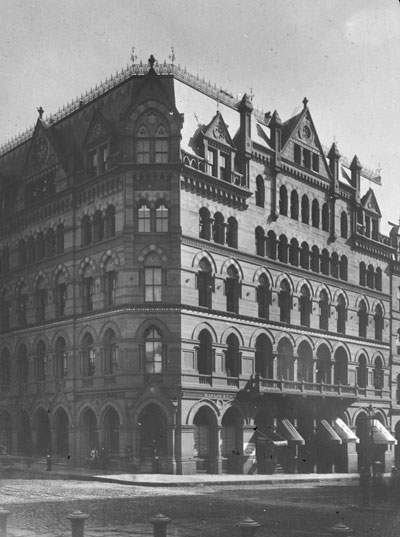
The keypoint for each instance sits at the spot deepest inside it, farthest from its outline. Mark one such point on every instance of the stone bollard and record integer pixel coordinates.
(248, 527)
(77, 519)
(340, 529)
(3, 521)
(160, 525)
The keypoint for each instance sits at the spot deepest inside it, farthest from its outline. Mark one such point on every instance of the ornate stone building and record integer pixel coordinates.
(195, 285)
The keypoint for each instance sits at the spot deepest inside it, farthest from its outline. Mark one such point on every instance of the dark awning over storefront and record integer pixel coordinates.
(271, 437)
(344, 431)
(289, 431)
(329, 432)
(380, 435)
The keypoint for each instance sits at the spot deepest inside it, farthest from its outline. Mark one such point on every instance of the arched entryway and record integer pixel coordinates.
(232, 441)
(24, 434)
(266, 452)
(205, 440)
(153, 441)
(90, 433)
(111, 431)
(42, 429)
(5, 433)
(61, 425)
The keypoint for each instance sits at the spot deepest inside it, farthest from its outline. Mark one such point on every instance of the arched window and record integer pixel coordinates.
(60, 295)
(378, 374)
(60, 239)
(362, 372)
(60, 361)
(378, 321)
(50, 243)
(343, 266)
(40, 300)
(5, 368)
(232, 290)
(285, 360)
(31, 250)
(204, 224)
(205, 283)
(305, 363)
(219, 229)
(152, 278)
(88, 355)
(315, 213)
(341, 315)
(283, 200)
(340, 367)
(315, 259)
(343, 225)
(285, 302)
(362, 319)
(363, 274)
(325, 262)
(324, 310)
(40, 361)
(152, 141)
(335, 265)
(260, 191)
(294, 253)
(162, 218)
(205, 353)
(378, 279)
(86, 231)
(305, 306)
(110, 352)
(271, 244)
(294, 205)
(161, 148)
(22, 364)
(5, 307)
(87, 289)
(144, 218)
(110, 222)
(232, 232)
(98, 226)
(22, 257)
(283, 249)
(22, 307)
(109, 283)
(153, 351)
(264, 358)
(305, 210)
(263, 297)
(233, 357)
(260, 241)
(325, 217)
(323, 373)
(370, 277)
(305, 256)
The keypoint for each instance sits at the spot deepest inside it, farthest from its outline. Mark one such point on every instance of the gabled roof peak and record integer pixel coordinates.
(355, 164)
(334, 151)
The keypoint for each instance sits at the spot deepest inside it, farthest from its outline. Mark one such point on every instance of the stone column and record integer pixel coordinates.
(185, 460)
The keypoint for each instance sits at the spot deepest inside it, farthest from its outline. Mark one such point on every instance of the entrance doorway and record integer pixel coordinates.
(152, 427)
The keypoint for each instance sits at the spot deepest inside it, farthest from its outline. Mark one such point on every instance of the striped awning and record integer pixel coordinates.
(330, 432)
(289, 431)
(380, 435)
(271, 437)
(344, 431)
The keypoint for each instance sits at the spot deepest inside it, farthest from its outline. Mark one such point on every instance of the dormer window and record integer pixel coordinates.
(152, 141)
(212, 162)
(98, 160)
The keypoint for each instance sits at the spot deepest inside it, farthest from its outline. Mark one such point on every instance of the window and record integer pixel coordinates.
(305, 306)
(40, 362)
(305, 210)
(375, 229)
(283, 201)
(205, 354)
(297, 154)
(61, 297)
(325, 217)
(263, 297)
(343, 267)
(232, 357)
(219, 229)
(224, 167)
(204, 224)
(5, 307)
(86, 231)
(5, 368)
(335, 265)
(370, 277)
(283, 249)
(161, 218)
(341, 315)
(305, 256)
(285, 302)
(144, 219)
(205, 283)
(60, 239)
(363, 274)
(294, 253)
(378, 374)
(378, 321)
(362, 372)
(22, 364)
(50, 243)
(152, 284)
(161, 151)
(378, 279)
(362, 319)
(260, 241)
(153, 351)
(264, 366)
(22, 301)
(232, 232)
(98, 226)
(87, 294)
(60, 364)
(325, 262)
(212, 162)
(110, 283)
(324, 311)
(315, 214)
(232, 290)
(340, 367)
(110, 222)
(143, 151)
(40, 300)
(343, 225)
(260, 191)
(88, 356)
(270, 245)
(306, 158)
(294, 205)
(315, 261)
(109, 352)
(315, 162)
(285, 361)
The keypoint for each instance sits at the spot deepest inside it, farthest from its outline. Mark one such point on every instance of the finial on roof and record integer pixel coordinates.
(152, 61)
(305, 102)
(133, 55)
(41, 112)
(172, 55)
(276, 120)
(355, 163)
(334, 152)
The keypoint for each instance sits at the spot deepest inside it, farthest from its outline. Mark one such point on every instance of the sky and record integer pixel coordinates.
(344, 56)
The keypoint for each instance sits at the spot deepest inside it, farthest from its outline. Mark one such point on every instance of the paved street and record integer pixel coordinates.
(39, 507)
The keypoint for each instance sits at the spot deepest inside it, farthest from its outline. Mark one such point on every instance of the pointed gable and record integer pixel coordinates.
(99, 129)
(369, 203)
(301, 144)
(217, 132)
